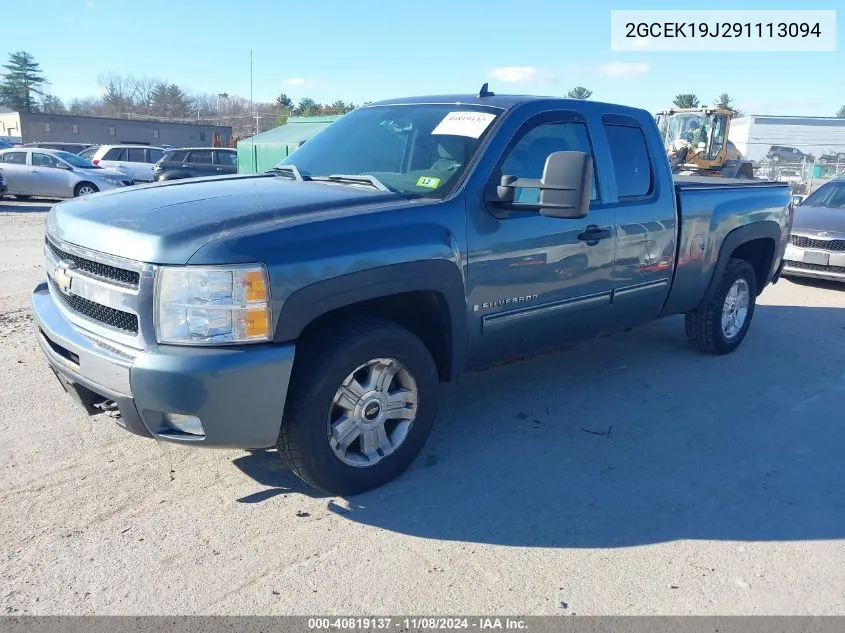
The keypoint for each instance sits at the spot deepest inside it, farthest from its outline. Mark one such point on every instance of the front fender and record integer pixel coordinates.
(440, 276)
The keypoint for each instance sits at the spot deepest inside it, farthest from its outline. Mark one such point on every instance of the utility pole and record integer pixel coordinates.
(251, 102)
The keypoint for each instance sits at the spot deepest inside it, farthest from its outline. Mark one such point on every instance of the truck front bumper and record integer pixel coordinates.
(237, 394)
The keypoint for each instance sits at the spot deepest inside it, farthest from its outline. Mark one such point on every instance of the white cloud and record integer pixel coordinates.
(618, 70)
(514, 74)
(294, 81)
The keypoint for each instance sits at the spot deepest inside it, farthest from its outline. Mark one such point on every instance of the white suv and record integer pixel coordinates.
(133, 160)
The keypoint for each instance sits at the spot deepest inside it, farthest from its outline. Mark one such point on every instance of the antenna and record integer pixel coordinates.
(484, 92)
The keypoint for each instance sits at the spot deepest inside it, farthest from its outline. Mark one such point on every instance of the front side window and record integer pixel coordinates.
(528, 157)
(135, 155)
(631, 163)
(418, 150)
(44, 160)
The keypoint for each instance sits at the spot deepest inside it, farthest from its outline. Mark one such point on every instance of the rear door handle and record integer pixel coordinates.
(594, 234)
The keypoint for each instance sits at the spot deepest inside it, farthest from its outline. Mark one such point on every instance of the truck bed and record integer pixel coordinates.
(699, 182)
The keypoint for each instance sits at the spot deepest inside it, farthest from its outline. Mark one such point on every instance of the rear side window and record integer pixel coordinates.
(200, 157)
(631, 163)
(154, 155)
(136, 155)
(225, 158)
(115, 153)
(15, 158)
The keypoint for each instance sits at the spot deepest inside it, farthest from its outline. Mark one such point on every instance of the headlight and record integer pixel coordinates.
(113, 181)
(196, 305)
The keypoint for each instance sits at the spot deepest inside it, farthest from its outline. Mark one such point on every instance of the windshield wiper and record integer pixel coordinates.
(364, 178)
(291, 170)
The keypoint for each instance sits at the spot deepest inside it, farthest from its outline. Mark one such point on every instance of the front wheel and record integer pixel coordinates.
(84, 189)
(721, 325)
(361, 406)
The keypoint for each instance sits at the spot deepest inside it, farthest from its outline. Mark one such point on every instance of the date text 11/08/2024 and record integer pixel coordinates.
(422, 623)
(722, 29)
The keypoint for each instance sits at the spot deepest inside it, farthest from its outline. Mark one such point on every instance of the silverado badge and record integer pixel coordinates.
(60, 276)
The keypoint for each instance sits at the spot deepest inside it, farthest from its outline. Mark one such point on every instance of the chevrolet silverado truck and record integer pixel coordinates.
(316, 307)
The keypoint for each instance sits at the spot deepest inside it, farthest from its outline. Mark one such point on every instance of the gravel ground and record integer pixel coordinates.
(628, 476)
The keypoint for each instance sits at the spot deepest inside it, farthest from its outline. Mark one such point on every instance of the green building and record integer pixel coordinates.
(262, 152)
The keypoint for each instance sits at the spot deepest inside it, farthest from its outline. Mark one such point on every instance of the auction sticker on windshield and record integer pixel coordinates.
(471, 124)
(431, 183)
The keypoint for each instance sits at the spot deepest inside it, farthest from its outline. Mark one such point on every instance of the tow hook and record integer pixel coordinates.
(109, 407)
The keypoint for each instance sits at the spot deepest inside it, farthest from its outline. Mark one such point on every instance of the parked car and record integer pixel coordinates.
(315, 308)
(5, 145)
(51, 173)
(73, 148)
(783, 154)
(195, 162)
(88, 152)
(817, 239)
(832, 157)
(133, 160)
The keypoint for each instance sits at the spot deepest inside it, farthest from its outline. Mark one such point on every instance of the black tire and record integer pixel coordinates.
(322, 364)
(22, 198)
(77, 191)
(704, 326)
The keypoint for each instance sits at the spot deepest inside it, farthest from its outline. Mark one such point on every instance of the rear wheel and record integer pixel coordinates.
(360, 408)
(85, 189)
(721, 325)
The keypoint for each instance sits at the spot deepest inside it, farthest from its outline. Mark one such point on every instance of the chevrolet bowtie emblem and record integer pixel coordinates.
(60, 276)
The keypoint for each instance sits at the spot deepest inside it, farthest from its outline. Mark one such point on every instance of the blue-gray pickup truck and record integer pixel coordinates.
(315, 308)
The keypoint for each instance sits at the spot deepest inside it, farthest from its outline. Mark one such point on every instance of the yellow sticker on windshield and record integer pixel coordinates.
(431, 183)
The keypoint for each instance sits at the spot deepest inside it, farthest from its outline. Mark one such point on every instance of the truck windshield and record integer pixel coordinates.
(831, 195)
(418, 150)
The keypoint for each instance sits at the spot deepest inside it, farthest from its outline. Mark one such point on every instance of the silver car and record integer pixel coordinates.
(50, 173)
(817, 243)
(136, 161)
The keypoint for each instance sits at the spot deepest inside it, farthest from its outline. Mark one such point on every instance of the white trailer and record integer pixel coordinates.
(753, 135)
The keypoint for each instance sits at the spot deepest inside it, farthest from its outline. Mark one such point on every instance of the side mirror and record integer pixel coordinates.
(796, 199)
(64, 166)
(564, 187)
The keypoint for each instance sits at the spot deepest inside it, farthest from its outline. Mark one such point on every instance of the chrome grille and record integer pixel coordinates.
(802, 241)
(100, 271)
(110, 297)
(816, 267)
(100, 313)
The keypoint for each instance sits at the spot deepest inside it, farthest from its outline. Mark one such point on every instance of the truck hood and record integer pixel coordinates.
(813, 220)
(166, 223)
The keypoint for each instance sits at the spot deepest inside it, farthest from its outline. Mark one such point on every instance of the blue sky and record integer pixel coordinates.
(374, 49)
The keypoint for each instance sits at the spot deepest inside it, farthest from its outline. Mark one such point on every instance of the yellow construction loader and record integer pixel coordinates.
(696, 141)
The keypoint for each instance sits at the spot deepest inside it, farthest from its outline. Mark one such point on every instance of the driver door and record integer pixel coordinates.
(49, 175)
(537, 282)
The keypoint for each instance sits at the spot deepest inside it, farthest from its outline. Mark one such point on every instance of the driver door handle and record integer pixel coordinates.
(593, 234)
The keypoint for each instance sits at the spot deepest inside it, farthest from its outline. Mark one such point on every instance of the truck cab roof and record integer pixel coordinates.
(507, 102)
